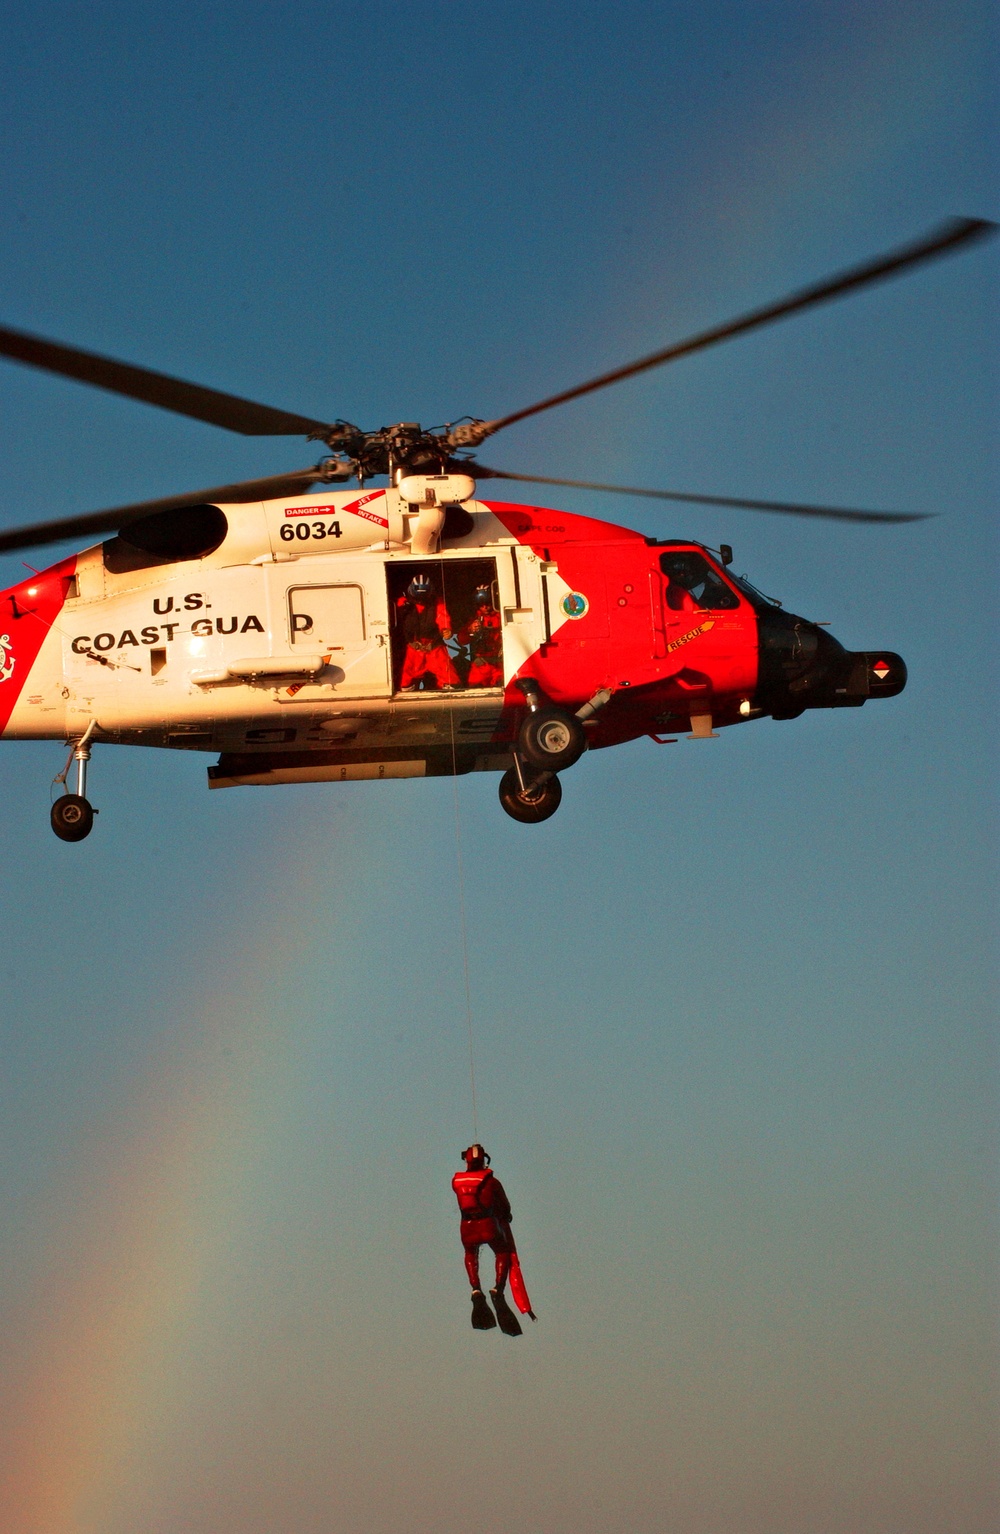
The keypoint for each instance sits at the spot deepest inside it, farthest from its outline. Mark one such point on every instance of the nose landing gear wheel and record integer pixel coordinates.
(72, 818)
(536, 803)
(552, 739)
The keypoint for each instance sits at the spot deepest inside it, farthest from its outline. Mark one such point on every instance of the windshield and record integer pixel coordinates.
(751, 593)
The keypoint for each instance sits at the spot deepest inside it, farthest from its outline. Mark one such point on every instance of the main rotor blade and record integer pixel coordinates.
(945, 238)
(117, 517)
(787, 508)
(209, 405)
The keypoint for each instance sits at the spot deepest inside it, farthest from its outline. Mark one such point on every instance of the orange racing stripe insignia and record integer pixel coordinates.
(702, 628)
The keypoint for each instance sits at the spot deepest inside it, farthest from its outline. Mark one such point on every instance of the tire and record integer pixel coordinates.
(537, 803)
(72, 818)
(552, 739)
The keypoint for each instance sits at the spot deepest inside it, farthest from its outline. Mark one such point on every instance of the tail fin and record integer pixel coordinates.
(27, 613)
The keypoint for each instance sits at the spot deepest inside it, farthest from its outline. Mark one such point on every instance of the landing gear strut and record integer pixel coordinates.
(72, 815)
(550, 739)
(527, 800)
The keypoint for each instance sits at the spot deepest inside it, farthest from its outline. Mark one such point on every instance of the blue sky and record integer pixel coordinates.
(733, 1007)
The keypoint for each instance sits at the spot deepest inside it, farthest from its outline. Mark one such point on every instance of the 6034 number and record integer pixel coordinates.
(304, 530)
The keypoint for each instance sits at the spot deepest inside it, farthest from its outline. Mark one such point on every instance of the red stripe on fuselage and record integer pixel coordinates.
(579, 658)
(539, 526)
(27, 613)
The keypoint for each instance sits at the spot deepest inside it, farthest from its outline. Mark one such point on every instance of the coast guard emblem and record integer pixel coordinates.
(6, 666)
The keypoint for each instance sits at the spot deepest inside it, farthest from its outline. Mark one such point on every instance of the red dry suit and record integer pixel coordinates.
(424, 625)
(482, 635)
(486, 1216)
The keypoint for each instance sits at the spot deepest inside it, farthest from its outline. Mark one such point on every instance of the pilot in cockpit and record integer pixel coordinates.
(679, 576)
(692, 585)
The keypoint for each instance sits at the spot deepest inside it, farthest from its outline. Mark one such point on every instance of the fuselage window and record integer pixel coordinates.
(326, 617)
(691, 583)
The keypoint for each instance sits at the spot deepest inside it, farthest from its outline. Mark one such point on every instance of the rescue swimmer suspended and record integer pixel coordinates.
(485, 1216)
(410, 629)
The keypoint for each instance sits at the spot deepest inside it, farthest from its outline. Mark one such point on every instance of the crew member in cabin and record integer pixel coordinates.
(486, 1216)
(426, 624)
(483, 635)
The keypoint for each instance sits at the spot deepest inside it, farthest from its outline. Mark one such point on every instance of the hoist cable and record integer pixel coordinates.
(462, 906)
(465, 938)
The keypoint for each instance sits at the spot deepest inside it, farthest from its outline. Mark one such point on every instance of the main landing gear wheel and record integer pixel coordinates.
(551, 739)
(72, 818)
(537, 802)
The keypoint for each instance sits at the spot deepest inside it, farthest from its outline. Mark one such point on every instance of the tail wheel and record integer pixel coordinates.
(537, 802)
(72, 818)
(552, 739)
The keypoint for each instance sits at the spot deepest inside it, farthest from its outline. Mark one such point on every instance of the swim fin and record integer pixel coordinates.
(483, 1319)
(509, 1324)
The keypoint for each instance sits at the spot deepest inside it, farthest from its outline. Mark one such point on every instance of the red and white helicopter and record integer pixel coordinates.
(269, 624)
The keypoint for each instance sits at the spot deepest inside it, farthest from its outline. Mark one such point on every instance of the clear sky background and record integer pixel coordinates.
(733, 1007)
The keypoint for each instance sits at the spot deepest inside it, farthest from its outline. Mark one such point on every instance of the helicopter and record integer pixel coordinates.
(280, 626)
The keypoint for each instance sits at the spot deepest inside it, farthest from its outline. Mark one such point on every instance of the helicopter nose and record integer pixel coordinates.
(820, 673)
(875, 674)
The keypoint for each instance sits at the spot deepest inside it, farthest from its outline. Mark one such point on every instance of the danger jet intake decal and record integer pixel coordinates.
(360, 508)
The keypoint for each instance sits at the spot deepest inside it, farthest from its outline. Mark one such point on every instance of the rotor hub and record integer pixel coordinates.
(397, 450)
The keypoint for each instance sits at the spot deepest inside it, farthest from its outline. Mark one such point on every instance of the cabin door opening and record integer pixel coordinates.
(470, 632)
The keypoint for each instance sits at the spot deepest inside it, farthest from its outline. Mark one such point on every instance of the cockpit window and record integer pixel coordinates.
(757, 598)
(691, 583)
